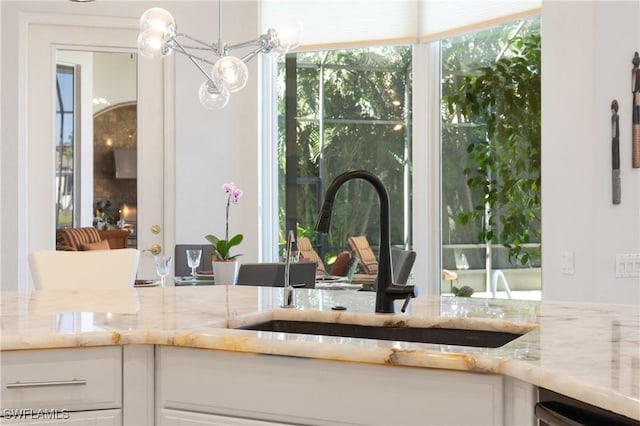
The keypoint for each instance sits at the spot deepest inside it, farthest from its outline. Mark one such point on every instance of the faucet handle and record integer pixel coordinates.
(405, 304)
(400, 291)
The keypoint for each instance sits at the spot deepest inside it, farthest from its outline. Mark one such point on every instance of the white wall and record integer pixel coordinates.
(585, 65)
(215, 147)
(114, 79)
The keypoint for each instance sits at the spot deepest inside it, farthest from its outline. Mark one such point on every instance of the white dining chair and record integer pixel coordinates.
(77, 270)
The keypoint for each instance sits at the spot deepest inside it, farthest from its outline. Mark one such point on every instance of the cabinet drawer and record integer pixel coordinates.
(65, 379)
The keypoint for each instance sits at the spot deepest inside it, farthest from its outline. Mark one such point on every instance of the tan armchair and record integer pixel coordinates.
(368, 264)
(89, 238)
(366, 257)
(402, 261)
(308, 253)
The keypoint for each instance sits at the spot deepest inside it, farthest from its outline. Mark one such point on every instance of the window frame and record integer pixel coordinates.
(75, 71)
(425, 180)
(426, 234)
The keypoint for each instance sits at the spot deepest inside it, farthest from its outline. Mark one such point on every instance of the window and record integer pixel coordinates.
(352, 110)
(65, 147)
(491, 158)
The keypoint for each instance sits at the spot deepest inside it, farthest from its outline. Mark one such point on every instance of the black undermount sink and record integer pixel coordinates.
(443, 336)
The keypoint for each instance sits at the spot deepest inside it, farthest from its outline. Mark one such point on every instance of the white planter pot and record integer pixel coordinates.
(225, 273)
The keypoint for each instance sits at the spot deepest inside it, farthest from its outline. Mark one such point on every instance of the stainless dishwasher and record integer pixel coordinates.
(554, 409)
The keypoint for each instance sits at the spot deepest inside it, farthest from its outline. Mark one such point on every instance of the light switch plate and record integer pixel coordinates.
(628, 265)
(566, 263)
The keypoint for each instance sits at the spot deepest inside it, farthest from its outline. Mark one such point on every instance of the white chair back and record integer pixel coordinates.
(77, 270)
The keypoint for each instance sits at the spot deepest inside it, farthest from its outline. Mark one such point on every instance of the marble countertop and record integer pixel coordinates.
(590, 352)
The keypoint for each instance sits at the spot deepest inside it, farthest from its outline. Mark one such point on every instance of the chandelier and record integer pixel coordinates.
(159, 37)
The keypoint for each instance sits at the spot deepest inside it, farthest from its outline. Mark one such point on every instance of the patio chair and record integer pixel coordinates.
(307, 252)
(366, 257)
(402, 261)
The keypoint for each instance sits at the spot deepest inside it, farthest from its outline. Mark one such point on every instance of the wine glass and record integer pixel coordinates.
(461, 264)
(461, 260)
(163, 264)
(193, 259)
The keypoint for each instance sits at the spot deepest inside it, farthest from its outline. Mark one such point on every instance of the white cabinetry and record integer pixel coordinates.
(519, 402)
(85, 386)
(64, 384)
(310, 391)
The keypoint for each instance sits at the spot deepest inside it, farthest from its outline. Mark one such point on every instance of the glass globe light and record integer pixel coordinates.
(289, 33)
(232, 72)
(153, 44)
(213, 96)
(159, 20)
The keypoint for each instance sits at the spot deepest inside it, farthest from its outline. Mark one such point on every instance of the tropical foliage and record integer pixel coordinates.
(351, 113)
(496, 109)
(353, 110)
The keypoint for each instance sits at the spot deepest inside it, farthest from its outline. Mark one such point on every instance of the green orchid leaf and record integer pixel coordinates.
(235, 240)
(212, 239)
(222, 247)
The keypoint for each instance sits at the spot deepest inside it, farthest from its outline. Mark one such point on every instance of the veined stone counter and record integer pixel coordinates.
(590, 352)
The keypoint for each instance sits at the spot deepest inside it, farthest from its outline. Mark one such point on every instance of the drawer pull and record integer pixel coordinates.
(72, 382)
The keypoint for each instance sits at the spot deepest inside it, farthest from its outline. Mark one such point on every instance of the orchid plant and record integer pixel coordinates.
(222, 248)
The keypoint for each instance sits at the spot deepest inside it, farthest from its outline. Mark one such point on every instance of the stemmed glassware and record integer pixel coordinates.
(461, 260)
(461, 264)
(193, 259)
(163, 265)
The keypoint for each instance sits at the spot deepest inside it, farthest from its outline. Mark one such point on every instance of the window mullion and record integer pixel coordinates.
(291, 112)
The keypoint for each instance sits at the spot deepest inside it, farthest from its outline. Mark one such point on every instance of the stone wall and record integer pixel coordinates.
(113, 128)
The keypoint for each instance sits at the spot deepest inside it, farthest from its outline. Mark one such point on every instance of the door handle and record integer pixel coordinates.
(18, 385)
(155, 249)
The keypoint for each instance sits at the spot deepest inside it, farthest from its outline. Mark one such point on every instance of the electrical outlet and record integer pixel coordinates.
(628, 265)
(566, 263)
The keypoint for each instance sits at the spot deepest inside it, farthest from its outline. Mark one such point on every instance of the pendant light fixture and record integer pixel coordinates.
(159, 37)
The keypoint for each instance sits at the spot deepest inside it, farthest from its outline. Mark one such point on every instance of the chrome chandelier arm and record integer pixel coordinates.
(243, 45)
(265, 43)
(194, 59)
(262, 45)
(249, 56)
(213, 47)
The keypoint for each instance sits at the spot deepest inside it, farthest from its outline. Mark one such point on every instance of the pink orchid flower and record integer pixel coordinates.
(222, 247)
